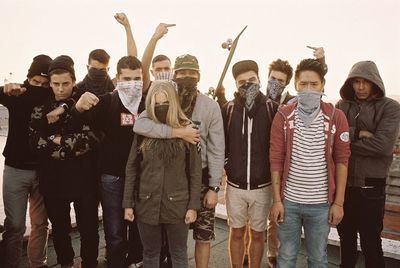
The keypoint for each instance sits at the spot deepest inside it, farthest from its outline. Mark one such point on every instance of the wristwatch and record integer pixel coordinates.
(64, 105)
(214, 188)
(52, 137)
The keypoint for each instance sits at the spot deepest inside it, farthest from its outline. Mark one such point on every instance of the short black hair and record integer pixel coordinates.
(100, 55)
(159, 58)
(281, 66)
(128, 62)
(310, 65)
(62, 71)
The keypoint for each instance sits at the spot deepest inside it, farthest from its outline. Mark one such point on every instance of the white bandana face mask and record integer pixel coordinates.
(130, 93)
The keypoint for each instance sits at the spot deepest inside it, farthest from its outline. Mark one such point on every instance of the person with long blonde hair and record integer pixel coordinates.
(163, 181)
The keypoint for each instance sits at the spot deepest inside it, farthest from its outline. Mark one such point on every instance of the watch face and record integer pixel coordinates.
(215, 189)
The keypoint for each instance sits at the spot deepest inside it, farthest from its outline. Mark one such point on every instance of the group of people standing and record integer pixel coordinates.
(291, 162)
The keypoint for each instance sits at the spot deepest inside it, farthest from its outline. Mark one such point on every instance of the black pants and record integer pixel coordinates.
(58, 210)
(364, 209)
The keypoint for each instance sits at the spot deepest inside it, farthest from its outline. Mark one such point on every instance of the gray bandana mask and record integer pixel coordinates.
(249, 92)
(308, 106)
(274, 90)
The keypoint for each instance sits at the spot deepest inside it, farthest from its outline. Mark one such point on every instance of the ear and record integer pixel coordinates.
(152, 73)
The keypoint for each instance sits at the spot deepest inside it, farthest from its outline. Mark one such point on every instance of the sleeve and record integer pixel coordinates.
(195, 177)
(72, 145)
(146, 127)
(277, 144)
(383, 141)
(131, 176)
(215, 146)
(4, 99)
(341, 146)
(33, 96)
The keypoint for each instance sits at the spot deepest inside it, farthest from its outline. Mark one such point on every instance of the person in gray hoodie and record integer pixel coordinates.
(374, 125)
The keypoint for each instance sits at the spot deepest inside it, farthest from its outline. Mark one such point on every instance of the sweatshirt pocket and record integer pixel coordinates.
(144, 196)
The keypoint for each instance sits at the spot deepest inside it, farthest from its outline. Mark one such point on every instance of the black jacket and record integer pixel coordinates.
(106, 116)
(67, 170)
(237, 142)
(17, 152)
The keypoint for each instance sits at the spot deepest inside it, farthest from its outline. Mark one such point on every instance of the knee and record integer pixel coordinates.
(237, 234)
(15, 226)
(257, 236)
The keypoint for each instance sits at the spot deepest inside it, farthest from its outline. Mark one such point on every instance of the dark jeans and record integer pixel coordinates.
(363, 214)
(58, 210)
(152, 240)
(115, 228)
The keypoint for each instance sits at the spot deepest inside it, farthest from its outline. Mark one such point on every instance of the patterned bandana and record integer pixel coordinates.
(249, 92)
(308, 105)
(187, 91)
(130, 93)
(274, 90)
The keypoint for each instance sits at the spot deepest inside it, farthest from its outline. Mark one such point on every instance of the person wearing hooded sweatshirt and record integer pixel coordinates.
(20, 181)
(206, 114)
(374, 125)
(66, 170)
(247, 124)
(115, 114)
(309, 154)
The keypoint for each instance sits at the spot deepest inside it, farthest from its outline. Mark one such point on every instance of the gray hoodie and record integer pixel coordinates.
(370, 157)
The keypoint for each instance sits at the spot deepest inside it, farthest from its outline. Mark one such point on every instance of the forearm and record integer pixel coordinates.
(341, 180)
(276, 186)
(146, 61)
(130, 177)
(146, 127)
(130, 42)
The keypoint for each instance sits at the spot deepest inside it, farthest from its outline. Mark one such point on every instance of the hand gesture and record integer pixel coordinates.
(122, 18)
(86, 102)
(335, 215)
(210, 199)
(318, 52)
(161, 30)
(54, 115)
(128, 215)
(191, 216)
(13, 89)
(277, 212)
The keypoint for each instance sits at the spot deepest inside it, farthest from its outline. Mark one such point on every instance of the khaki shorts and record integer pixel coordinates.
(248, 206)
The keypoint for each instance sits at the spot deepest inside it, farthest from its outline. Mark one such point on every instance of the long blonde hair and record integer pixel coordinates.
(175, 117)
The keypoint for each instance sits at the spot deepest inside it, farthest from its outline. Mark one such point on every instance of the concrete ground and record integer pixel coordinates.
(219, 253)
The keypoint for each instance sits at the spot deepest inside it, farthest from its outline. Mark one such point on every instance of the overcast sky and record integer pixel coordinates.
(349, 31)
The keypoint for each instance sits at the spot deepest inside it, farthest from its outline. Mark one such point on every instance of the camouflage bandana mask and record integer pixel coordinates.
(249, 92)
(274, 89)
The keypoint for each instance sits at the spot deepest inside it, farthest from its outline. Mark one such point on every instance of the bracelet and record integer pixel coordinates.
(273, 202)
(337, 204)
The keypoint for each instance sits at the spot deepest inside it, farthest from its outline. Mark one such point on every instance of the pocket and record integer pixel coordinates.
(178, 196)
(373, 193)
(144, 196)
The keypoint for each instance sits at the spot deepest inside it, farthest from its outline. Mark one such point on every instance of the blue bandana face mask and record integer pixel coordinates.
(274, 89)
(308, 105)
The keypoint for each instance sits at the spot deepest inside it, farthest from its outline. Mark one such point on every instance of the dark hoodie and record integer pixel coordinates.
(96, 87)
(370, 157)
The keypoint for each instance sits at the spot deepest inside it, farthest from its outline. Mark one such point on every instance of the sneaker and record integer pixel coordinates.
(136, 265)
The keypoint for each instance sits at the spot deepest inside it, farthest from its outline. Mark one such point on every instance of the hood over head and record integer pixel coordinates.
(363, 69)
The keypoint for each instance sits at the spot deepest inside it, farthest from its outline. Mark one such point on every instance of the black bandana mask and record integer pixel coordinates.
(97, 75)
(161, 112)
(186, 84)
(249, 92)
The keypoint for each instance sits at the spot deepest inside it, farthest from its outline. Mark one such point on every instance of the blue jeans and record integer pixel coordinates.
(115, 228)
(314, 219)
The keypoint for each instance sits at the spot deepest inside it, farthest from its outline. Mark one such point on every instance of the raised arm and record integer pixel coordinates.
(161, 30)
(130, 41)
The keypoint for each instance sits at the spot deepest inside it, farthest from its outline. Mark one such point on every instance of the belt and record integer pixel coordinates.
(243, 185)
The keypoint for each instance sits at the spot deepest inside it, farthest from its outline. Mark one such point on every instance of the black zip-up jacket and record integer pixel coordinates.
(236, 124)
(17, 151)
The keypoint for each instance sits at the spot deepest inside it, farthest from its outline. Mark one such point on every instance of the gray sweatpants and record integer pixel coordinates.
(19, 186)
